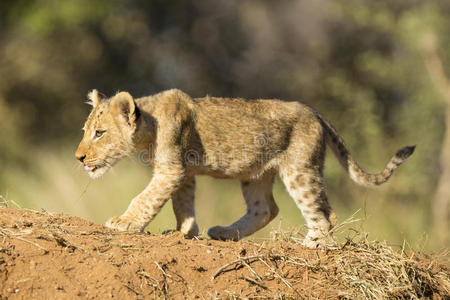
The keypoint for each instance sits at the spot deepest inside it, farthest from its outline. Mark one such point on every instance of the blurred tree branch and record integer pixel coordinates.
(441, 200)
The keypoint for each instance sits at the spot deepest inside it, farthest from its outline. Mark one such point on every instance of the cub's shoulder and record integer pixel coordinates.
(172, 104)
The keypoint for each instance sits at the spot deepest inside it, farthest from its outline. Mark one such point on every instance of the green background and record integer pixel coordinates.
(360, 63)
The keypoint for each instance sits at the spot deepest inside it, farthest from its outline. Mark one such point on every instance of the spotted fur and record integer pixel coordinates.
(248, 140)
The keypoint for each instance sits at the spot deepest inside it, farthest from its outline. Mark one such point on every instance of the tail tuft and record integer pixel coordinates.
(405, 152)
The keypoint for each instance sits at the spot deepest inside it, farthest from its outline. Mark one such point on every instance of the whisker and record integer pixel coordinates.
(75, 166)
(84, 191)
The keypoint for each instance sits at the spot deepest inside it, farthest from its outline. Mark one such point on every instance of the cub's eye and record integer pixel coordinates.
(99, 133)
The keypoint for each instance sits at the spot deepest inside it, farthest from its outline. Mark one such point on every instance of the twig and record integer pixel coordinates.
(162, 270)
(277, 275)
(221, 269)
(131, 289)
(251, 270)
(5, 201)
(246, 278)
(33, 243)
(147, 276)
(165, 284)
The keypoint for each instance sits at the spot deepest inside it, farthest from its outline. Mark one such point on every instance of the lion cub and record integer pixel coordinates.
(249, 140)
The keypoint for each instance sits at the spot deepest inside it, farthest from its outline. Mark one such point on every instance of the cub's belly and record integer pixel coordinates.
(229, 165)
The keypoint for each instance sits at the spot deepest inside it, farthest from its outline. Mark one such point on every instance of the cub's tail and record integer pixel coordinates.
(336, 143)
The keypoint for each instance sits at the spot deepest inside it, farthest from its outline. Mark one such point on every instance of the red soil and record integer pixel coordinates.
(53, 256)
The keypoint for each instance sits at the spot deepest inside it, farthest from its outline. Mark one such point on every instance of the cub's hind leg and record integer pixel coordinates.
(184, 208)
(302, 173)
(305, 185)
(261, 209)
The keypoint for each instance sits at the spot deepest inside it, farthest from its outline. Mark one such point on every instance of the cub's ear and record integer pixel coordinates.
(123, 104)
(93, 98)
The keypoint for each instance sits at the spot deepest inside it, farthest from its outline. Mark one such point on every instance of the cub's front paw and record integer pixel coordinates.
(124, 223)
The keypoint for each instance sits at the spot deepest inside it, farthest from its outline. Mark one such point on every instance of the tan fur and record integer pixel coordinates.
(248, 140)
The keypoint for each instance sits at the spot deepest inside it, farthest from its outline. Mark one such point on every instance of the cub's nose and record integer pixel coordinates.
(81, 157)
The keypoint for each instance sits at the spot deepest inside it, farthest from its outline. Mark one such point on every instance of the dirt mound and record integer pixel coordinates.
(53, 256)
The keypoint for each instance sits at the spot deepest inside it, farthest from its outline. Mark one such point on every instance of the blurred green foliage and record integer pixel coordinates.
(360, 63)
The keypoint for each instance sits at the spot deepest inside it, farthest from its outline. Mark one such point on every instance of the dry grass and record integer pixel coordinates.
(373, 270)
(370, 269)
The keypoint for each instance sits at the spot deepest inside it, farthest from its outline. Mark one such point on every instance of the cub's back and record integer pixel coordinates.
(243, 130)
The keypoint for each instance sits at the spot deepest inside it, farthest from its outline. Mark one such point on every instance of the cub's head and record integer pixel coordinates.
(108, 132)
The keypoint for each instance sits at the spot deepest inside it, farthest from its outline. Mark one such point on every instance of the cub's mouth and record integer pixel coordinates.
(92, 169)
